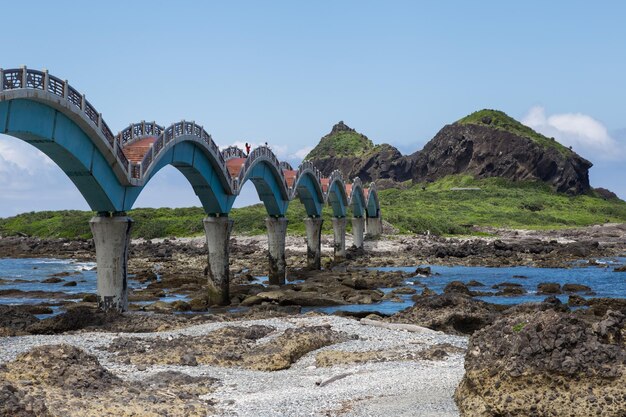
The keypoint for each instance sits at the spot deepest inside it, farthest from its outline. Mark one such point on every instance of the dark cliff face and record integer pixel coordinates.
(472, 149)
(483, 151)
(382, 162)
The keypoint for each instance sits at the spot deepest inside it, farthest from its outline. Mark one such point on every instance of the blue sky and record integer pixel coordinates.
(285, 72)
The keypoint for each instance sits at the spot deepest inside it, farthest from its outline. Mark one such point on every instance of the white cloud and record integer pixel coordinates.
(30, 181)
(586, 135)
(301, 153)
(16, 153)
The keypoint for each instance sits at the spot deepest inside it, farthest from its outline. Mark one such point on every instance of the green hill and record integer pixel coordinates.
(340, 142)
(448, 206)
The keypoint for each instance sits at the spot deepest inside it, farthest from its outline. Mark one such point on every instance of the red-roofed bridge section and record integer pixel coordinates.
(110, 171)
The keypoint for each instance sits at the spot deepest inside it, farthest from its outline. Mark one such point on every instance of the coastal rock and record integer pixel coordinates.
(14, 321)
(229, 346)
(450, 313)
(55, 380)
(545, 363)
(576, 288)
(484, 150)
(548, 288)
(456, 287)
(73, 319)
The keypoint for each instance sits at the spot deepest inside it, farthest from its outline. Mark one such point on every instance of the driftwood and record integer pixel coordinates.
(333, 379)
(398, 326)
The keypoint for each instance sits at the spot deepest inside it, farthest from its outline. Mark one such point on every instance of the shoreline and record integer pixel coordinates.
(368, 388)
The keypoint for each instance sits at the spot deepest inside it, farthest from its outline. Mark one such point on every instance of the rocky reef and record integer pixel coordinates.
(540, 363)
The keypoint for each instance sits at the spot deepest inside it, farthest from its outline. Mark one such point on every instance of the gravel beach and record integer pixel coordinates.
(409, 385)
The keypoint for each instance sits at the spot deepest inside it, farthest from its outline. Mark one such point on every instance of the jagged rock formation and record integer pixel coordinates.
(487, 143)
(546, 363)
(355, 155)
(483, 150)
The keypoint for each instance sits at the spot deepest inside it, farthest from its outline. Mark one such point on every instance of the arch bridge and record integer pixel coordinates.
(110, 171)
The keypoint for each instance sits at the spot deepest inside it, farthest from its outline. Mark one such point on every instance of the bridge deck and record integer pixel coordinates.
(136, 150)
(234, 166)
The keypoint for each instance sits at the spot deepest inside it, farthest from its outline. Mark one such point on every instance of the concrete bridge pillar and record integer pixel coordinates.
(111, 235)
(358, 227)
(374, 226)
(313, 227)
(339, 233)
(217, 230)
(276, 233)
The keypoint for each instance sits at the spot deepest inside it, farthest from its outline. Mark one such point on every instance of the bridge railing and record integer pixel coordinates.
(262, 152)
(13, 79)
(286, 165)
(137, 131)
(232, 152)
(172, 132)
(306, 166)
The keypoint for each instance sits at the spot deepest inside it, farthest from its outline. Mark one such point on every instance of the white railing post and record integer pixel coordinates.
(143, 127)
(132, 131)
(100, 122)
(66, 89)
(82, 103)
(24, 76)
(46, 80)
(1, 79)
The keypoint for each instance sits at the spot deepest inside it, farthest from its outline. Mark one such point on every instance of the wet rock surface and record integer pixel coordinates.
(546, 363)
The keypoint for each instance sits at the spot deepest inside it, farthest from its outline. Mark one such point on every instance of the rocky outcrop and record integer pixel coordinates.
(229, 346)
(497, 146)
(451, 313)
(61, 380)
(483, 151)
(538, 363)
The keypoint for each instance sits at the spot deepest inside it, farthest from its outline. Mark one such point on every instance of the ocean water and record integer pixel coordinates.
(602, 280)
(27, 274)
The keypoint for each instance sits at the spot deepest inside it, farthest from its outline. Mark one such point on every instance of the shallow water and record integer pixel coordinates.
(602, 280)
(27, 274)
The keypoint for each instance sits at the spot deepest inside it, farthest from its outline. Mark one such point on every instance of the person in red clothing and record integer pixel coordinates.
(247, 149)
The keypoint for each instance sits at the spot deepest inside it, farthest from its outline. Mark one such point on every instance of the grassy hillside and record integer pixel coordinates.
(437, 208)
(498, 202)
(341, 143)
(500, 120)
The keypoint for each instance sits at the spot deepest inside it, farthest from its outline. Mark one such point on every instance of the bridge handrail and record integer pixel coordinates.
(260, 153)
(182, 128)
(18, 78)
(24, 78)
(307, 166)
(285, 166)
(232, 152)
(137, 131)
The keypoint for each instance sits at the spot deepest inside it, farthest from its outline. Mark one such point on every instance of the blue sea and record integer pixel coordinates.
(27, 274)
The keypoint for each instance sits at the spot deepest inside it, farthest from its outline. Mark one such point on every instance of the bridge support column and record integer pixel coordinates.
(217, 230)
(339, 234)
(111, 235)
(374, 226)
(313, 227)
(358, 227)
(276, 233)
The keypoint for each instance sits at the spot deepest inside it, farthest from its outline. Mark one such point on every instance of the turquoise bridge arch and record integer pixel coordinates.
(110, 171)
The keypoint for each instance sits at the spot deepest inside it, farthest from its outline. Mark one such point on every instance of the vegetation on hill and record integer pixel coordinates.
(442, 207)
(340, 142)
(499, 120)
